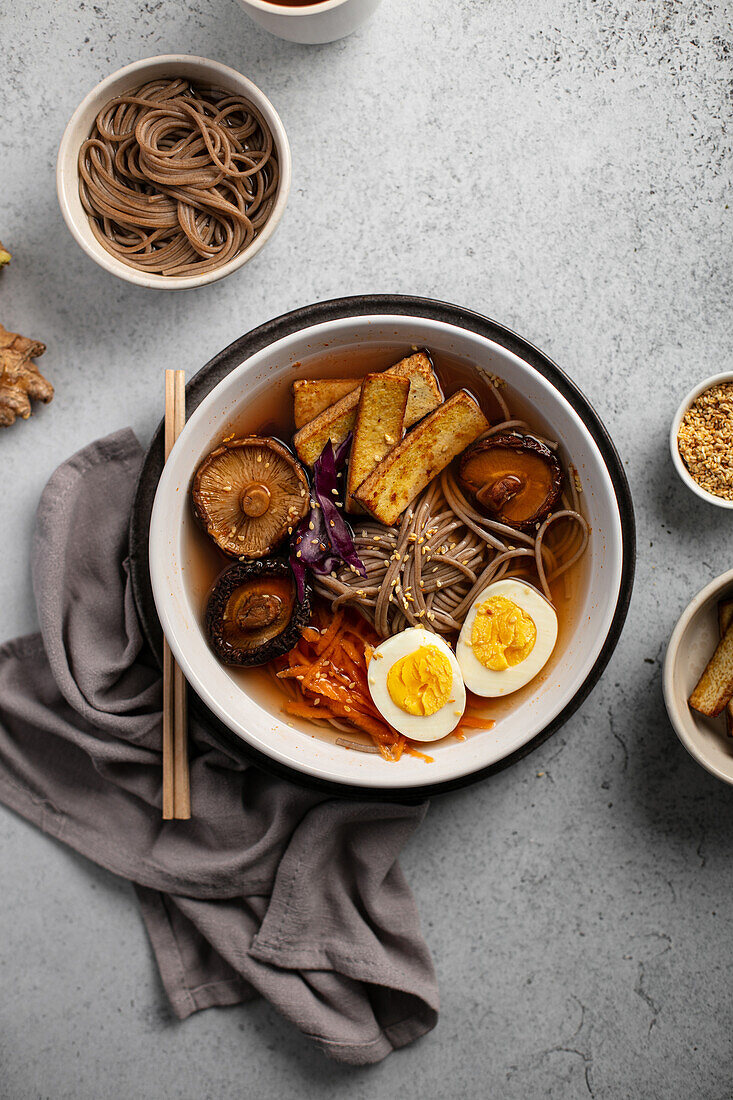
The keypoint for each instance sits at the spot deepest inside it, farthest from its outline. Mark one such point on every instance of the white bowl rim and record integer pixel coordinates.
(303, 9)
(684, 474)
(616, 485)
(179, 282)
(702, 597)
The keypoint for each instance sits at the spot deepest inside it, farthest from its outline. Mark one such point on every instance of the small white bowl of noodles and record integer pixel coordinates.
(201, 191)
(254, 396)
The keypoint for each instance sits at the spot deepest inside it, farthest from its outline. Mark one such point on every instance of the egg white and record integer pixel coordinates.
(488, 682)
(428, 727)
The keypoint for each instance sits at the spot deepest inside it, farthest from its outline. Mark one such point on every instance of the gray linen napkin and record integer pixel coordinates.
(269, 888)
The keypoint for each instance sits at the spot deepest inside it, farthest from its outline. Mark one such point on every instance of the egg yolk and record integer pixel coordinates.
(420, 683)
(503, 634)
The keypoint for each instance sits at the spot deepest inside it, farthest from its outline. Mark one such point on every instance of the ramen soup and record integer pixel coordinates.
(389, 548)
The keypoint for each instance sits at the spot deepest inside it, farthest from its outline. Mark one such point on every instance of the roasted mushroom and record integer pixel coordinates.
(253, 615)
(515, 478)
(248, 494)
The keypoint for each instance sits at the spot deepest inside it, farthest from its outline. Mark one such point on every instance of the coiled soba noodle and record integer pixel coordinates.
(429, 570)
(177, 179)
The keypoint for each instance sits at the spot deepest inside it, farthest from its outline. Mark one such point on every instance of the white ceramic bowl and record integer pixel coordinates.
(690, 648)
(80, 124)
(684, 473)
(255, 717)
(311, 24)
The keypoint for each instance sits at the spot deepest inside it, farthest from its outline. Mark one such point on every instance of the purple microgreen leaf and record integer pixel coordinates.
(342, 453)
(323, 538)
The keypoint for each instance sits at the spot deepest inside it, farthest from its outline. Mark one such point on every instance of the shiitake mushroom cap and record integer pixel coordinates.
(248, 494)
(253, 614)
(515, 478)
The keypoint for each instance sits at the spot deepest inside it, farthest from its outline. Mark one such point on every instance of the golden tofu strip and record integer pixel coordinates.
(714, 689)
(425, 393)
(422, 454)
(338, 420)
(380, 419)
(312, 396)
(725, 618)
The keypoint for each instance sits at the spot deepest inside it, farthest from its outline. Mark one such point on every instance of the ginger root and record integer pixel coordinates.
(20, 379)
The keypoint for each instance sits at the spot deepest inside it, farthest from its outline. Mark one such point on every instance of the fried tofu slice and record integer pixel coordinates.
(725, 618)
(312, 396)
(422, 454)
(425, 393)
(338, 420)
(714, 689)
(380, 419)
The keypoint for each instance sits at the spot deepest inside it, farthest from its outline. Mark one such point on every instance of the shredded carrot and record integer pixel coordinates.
(325, 676)
(327, 671)
(468, 722)
(331, 632)
(412, 751)
(302, 710)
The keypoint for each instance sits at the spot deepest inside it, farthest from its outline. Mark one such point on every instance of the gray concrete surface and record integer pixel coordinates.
(565, 168)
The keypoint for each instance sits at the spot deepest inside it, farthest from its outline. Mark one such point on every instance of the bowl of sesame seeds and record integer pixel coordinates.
(701, 440)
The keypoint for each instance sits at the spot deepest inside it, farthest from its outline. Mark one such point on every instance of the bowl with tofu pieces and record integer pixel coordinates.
(390, 552)
(698, 677)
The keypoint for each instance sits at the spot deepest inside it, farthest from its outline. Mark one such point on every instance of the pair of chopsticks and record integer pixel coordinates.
(176, 784)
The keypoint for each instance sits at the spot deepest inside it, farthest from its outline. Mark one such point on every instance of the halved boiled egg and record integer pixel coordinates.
(416, 684)
(506, 639)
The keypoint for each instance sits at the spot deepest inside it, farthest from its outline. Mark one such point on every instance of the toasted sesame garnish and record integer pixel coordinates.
(705, 440)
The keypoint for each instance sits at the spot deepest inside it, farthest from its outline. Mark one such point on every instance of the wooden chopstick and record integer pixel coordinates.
(181, 782)
(168, 792)
(176, 783)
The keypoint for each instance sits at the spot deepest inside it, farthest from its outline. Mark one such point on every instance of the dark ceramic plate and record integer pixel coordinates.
(215, 370)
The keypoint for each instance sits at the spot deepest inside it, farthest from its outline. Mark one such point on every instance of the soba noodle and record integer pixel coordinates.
(429, 570)
(177, 179)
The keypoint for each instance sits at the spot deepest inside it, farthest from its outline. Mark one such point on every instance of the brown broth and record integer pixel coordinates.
(271, 414)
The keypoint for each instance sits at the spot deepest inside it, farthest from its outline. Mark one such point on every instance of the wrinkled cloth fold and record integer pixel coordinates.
(270, 888)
